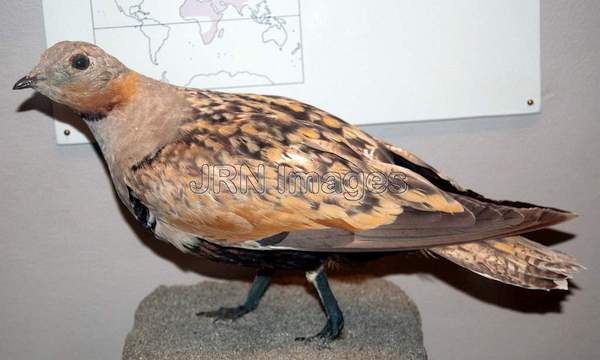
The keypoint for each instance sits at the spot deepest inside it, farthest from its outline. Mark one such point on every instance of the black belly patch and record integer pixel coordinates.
(141, 212)
(267, 259)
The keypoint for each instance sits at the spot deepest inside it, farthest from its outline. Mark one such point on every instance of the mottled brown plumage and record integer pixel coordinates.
(162, 143)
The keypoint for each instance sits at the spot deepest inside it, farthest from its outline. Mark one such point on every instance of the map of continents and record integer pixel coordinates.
(205, 43)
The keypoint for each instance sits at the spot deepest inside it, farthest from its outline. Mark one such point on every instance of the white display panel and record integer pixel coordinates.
(367, 62)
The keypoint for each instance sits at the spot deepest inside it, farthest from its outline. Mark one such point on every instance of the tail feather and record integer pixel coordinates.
(515, 261)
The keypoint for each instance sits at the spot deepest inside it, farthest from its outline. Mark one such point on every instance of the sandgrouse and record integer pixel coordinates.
(316, 189)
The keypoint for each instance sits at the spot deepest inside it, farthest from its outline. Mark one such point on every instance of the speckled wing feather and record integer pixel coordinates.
(251, 137)
(253, 131)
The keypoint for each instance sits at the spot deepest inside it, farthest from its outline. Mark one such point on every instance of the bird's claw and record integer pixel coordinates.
(329, 333)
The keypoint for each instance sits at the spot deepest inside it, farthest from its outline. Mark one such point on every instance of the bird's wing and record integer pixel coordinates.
(255, 136)
(171, 181)
(339, 130)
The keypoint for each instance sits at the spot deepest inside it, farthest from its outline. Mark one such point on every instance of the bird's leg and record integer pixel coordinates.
(260, 284)
(335, 318)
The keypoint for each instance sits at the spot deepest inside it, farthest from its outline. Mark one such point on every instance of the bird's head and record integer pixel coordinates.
(81, 76)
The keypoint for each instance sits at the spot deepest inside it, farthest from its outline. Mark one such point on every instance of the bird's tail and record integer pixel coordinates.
(515, 261)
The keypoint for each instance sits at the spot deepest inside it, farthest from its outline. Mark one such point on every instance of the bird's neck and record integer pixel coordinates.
(135, 128)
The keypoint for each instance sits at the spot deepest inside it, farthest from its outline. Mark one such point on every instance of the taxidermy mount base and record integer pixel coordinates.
(381, 322)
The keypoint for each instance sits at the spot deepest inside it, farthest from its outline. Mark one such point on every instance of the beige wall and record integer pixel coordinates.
(72, 270)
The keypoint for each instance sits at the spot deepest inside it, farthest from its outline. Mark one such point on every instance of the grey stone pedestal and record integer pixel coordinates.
(381, 322)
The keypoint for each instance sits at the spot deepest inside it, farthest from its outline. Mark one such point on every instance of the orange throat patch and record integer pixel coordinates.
(117, 93)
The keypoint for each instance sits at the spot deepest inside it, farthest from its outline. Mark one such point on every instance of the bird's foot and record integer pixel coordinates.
(331, 331)
(262, 280)
(225, 313)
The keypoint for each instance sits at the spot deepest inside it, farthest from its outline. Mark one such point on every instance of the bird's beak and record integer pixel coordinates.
(25, 82)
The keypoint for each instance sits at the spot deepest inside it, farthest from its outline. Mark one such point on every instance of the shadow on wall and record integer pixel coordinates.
(490, 291)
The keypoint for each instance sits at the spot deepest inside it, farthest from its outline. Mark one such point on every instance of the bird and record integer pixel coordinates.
(316, 191)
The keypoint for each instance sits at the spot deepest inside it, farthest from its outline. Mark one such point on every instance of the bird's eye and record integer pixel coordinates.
(80, 62)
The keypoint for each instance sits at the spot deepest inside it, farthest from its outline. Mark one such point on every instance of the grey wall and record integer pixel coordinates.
(72, 270)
